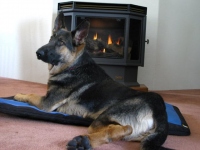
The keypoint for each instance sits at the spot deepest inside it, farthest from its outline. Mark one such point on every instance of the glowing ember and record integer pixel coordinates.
(95, 37)
(109, 39)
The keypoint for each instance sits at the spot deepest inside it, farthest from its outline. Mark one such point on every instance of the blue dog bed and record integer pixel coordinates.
(176, 121)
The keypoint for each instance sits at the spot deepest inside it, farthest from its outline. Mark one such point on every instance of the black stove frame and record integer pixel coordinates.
(122, 70)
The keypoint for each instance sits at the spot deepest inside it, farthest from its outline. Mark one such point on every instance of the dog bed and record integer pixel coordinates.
(176, 121)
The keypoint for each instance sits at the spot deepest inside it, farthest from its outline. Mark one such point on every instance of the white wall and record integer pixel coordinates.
(178, 49)
(25, 26)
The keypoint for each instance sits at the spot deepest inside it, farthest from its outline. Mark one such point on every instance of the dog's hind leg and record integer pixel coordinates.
(97, 137)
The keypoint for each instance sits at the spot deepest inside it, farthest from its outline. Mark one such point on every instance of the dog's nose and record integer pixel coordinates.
(40, 54)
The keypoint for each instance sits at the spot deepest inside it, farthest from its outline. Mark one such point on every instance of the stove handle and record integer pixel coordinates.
(147, 41)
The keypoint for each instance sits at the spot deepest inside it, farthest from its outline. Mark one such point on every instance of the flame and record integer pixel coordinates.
(109, 39)
(104, 50)
(95, 37)
(118, 41)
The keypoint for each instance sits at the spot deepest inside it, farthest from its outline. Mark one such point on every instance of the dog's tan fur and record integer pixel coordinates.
(30, 98)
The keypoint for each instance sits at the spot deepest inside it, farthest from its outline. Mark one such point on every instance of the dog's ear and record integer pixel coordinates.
(59, 22)
(80, 33)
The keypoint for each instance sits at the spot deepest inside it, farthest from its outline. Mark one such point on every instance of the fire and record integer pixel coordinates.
(95, 37)
(109, 39)
(118, 41)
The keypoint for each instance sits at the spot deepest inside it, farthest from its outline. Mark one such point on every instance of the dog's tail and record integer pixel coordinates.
(155, 140)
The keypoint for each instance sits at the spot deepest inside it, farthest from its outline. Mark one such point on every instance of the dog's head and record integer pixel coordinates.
(64, 46)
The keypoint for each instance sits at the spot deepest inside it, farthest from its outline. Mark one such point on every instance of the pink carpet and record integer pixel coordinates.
(26, 134)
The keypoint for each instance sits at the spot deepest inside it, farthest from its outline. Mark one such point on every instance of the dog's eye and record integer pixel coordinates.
(60, 42)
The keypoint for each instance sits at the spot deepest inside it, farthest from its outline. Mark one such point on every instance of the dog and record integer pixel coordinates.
(78, 86)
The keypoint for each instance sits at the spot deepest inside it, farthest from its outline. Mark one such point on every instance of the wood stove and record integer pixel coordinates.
(116, 40)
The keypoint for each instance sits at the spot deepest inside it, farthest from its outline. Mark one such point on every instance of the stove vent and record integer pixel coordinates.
(66, 6)
(102, 6)
(136, 9)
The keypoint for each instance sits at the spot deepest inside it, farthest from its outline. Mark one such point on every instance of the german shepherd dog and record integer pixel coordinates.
(78, 86)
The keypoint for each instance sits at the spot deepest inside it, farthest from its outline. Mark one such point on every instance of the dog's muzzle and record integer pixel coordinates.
(47, 55)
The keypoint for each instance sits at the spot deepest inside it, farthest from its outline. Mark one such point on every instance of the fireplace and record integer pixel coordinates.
(116, 40)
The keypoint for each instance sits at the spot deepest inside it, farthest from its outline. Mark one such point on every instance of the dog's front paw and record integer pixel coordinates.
(79, 143)
(20, 97)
